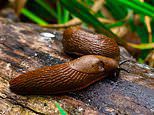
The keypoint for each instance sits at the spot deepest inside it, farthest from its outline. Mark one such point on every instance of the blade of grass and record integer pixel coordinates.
(86, 15)
(143, 5)
(89, 2)
(33, 17)
(46, 7)
(142, 46)
(59, 13)
(61, 110)
(120, 23)
(66, 16)
(114, 7)
(136, 7)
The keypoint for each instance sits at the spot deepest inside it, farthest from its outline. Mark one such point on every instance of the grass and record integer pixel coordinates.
(61, 110)
(33, 17)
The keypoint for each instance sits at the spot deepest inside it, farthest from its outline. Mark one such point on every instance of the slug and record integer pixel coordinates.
(80, 42)
(101, 58)
(61, 78)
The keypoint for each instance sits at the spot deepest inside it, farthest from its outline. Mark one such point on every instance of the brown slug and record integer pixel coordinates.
(80, 42)
(70, 76)
(101, 58)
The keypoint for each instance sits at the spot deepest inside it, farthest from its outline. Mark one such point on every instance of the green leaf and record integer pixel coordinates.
(33, 17)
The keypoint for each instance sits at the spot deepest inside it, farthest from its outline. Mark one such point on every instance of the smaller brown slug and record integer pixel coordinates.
(80, 42)
(61, 78)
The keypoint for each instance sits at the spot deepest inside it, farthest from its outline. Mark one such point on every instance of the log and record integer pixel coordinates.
(25, 47)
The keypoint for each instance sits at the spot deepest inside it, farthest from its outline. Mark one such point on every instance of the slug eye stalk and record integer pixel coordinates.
(117, 72)
(124, 61)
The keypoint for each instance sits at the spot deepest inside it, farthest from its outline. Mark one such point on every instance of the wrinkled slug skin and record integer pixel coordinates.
(80, 42)
(70, 76)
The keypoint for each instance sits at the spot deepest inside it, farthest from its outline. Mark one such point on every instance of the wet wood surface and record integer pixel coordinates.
(25, 47)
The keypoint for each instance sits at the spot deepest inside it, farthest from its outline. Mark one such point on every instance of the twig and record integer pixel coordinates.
(74, 22)
(147, 22)
(18, 5)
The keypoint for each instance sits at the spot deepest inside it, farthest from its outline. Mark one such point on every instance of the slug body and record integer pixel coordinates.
(61, 78)
(79, 42)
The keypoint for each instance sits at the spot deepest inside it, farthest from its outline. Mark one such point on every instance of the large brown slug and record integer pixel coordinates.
(80, 42)
(70, 76)
(102, 58)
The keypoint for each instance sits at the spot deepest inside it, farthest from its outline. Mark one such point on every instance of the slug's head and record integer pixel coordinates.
(109, 63)
(94, 64)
